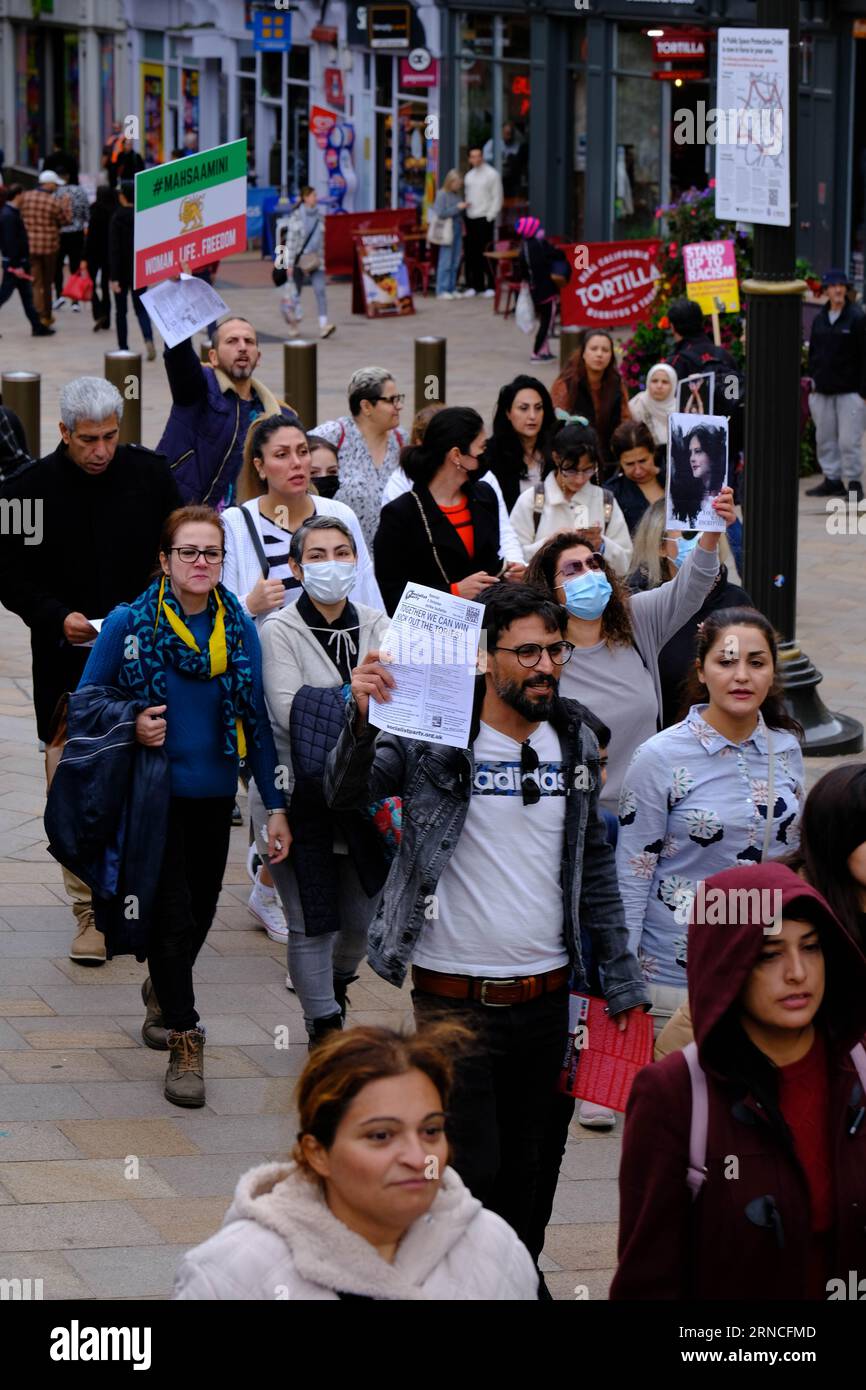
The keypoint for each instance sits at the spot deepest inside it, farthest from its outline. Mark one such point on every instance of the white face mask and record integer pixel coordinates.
(329, 581)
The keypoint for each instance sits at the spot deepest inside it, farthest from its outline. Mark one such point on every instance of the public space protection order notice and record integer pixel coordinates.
(432, 652)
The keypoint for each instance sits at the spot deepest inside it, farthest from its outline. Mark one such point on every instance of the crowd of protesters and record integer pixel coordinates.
(219, 607)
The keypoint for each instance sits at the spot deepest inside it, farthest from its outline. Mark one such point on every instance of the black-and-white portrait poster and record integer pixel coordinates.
(697, 471)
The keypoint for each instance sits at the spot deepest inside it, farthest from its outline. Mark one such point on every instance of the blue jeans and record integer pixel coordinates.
(317, 280)
(449, 261)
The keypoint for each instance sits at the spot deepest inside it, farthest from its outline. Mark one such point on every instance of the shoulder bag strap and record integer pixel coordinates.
(858, 1057)
(257, 542)
(696, 1175)
(430, 539)
(771, 779)
(309, 238)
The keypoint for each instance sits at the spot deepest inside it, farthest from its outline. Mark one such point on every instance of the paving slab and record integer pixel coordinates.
(83, 1180)
(184, 1220)
(117, 1138)
(43, 1101)
(73, 1226)
(137, 1064)
(59, 1279)
(20, 1141)
(129, 1272)
(74, 1065)
(138, 1099)
(227, 1135)
(207, 1175)
(72, 1031)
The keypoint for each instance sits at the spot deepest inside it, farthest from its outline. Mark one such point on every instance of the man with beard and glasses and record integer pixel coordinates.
(503, 858)
(213, 406)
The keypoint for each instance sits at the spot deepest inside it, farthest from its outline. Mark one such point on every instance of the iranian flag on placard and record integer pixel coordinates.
(192, 209)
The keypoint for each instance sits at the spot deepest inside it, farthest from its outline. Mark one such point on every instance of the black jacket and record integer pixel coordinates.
(96, 245)
(837, 352)
(107, 814)
(631, 500)
(536, 261)
(121, 247)
(402, 549)
(14, 246)
(98, 547)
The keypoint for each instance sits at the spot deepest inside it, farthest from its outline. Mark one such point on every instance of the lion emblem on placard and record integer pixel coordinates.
(190, 212)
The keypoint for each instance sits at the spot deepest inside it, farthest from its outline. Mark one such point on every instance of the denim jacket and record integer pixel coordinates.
(435, 784)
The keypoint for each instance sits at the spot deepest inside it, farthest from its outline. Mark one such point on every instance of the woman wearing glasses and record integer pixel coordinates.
(617, 637)
(368, 443)
(187, 650)
(444, 532)
(569, 499)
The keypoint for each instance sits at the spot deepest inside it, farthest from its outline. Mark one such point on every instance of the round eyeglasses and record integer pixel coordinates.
(530, 653)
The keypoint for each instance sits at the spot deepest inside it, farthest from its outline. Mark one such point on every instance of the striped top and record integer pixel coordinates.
(461, 519)
(276, 541)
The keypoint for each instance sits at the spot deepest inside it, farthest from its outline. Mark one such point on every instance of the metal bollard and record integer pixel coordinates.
(429, 371)
(21, 391)
(569, 340)
(299, 380)
(123, 370)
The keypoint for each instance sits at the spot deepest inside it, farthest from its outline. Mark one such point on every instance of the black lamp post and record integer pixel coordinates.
(772, 445)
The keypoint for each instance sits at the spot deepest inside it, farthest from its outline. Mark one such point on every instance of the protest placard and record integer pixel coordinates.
(193, 209)
(711, 276)
(697, 471)
(432, 648)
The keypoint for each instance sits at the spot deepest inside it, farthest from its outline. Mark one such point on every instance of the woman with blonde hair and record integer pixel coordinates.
(448, 208)
(369, 1207)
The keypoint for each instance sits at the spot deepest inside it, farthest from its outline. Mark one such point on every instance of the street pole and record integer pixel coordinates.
(772, 443)
(284, 132)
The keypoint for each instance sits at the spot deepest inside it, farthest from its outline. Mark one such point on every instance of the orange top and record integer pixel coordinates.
(461, 519)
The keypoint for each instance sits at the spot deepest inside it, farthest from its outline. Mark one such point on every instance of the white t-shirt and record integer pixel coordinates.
(499, 899)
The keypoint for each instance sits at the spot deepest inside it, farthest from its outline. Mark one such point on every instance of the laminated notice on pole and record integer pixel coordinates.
(181, 307)
(432, 649)
(750, 127)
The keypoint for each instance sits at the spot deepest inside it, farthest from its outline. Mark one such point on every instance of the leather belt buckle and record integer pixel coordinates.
(483, 995)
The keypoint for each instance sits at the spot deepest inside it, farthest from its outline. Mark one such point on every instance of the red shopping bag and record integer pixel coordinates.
(79, 286)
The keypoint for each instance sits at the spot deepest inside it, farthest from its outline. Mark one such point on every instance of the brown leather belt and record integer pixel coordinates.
(497, 994)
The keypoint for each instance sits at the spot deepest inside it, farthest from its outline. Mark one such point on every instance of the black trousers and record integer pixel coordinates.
(101, 301)
(500, 1103)
(8, 286)
(196, 850)
(71, 245)
(545, 320)
(477, 271)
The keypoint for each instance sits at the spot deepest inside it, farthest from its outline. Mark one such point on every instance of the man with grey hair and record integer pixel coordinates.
(100, 508)
(368, 444)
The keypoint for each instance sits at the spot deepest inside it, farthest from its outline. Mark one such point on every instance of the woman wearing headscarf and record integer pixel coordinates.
(653, 406)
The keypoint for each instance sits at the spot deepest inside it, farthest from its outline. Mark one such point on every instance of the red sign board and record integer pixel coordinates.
(680, 48)
(615, 289)
(418, 70)
(334, 87)
(681, 75)
(322, 122)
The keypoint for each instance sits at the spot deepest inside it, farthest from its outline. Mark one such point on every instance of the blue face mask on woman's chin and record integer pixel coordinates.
(587, 595)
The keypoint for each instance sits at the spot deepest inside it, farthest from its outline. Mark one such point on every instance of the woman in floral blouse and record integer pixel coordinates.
(695, 799)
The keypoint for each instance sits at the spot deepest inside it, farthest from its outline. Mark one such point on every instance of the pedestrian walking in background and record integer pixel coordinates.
(111, 152)
(368, 442)
(185, 646)
(102, 506)
(71, 239)
(305, 261)
(590, 385)
(367, 1209)
(535, 264)
(448, 205)
(121, 271)
(44, 214)
(837, 365)
(776, 1078)
(96, 255)
(15, 253)
(483, 191)
(722, 787)
(324, 465)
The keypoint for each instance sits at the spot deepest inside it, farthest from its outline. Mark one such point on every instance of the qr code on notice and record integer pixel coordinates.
(773, 197)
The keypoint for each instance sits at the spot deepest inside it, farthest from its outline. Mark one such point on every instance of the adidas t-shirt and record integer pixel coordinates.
(497, 909)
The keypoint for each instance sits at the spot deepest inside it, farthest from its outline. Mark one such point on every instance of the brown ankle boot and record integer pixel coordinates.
(153, 1030)
(184, 1080)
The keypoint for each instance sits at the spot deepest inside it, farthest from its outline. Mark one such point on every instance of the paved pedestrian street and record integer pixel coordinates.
(103, 1183)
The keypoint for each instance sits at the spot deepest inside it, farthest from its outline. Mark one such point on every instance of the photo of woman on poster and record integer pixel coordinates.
(697, 470)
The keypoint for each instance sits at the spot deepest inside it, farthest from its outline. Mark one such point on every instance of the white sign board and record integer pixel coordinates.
(752, 145)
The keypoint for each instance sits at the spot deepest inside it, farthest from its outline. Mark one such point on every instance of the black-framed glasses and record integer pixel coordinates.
(392, 400)
(529, 784)
(572, 470)
(190, 553)
(530, 653)
(573, 568)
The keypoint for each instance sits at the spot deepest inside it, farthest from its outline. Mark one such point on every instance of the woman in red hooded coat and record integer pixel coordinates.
(778, 998)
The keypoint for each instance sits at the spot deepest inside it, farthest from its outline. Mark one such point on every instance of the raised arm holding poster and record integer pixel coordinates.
(697, 471)
(432, 650)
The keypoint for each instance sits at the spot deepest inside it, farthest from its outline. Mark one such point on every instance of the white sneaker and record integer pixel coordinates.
(468, 294)
(487, 294)
(59, 302)
(289, 986)
(445, 295)
(264, 904)
(254, 860)
(76, 307)
(328, 329)
(595, 1116)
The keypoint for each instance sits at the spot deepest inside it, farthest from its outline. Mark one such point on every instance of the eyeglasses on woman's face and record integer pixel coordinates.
(395, 401)
(530, 653)
(190, 553)
(576, 470)
(573, 568)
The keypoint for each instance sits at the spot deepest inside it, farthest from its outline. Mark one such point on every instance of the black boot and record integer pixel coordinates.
(322, 1027)
(340, 987)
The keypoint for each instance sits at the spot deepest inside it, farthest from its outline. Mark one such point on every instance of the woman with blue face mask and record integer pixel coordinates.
(617, 637)
(659, 554)
(329, 887)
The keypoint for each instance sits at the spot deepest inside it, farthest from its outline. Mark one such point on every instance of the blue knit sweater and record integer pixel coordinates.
(193, 740)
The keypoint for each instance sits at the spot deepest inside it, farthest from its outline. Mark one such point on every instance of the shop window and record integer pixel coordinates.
(634, 51)
(246, 57)
(476, 34)
(272, 74)
(578, 187)
(31, 113)
(515, 36)
(384, 79)
(247, 118)
(152, 45)
(638, 155)
(299, 65)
